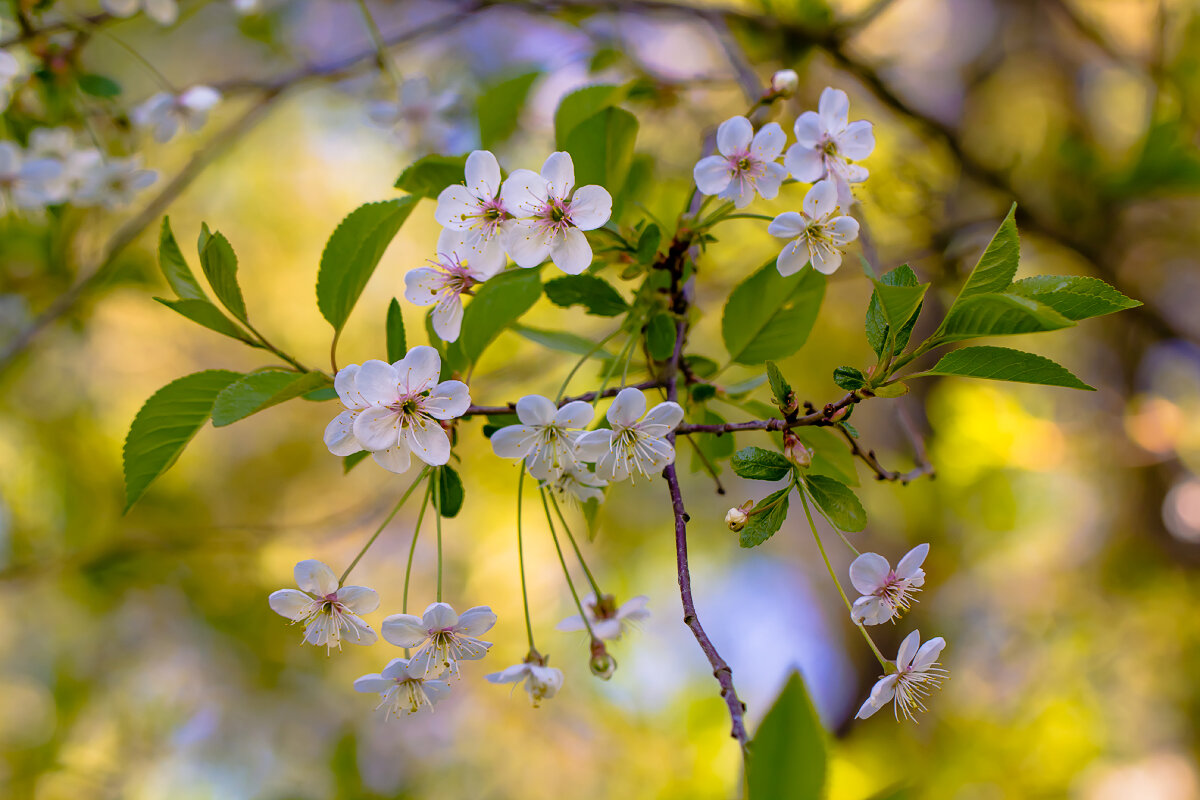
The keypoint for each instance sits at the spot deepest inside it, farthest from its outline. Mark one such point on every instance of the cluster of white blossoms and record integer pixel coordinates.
(164, 113)
(164, 12)
(824, 155)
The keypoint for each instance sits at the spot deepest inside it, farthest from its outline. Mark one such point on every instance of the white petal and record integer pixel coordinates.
(121, 8)
(787, 225)
(573, 623)
(768, 185)
(768, 142)
(527, 244)
(833, 108)
(533, 409)
(372, 684)
(575, 414)
(439, 616)
(740, 191)
(808, 130)
(734, 136)
(843, 229)
(908, 649)
(912, 561)
(421, 285)
(606, 629)
(628, 408)
(447, 400)
(804, 164)
(792, 258)
(857, 141)
(200, 98)
(487, 256)
(315, 578)
(870, 611)
(881, 693)
(634, 608)
(394, 459)
(290, 603)
(523, 192)
(428, 442)
(345, 385)
(559, 174)
(483, 174)
(404, 630)
(377, 383)
(826, 262)
(928, 653)
(377, 428)
(164, 12)
(447, 319)
(571, 252)
(855, 173)
(339, 434)
(668, 414)
(514, 674)
(868, 572)
(397, 669)
(476, 621)
(711, 174)
(514, 441)
(419, 370)
(590, 207)
(358, 599)
(821, 200)
(593, 445)
(455, 207)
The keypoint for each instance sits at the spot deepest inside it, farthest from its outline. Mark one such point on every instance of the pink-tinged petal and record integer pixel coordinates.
(804, 164)
(912, 561)
(359, 599)
(339, 434)
(881, 694)
(768, 185)
(734, 136)
(768, 142)
(378, 383)
(447, 319)
(593, 445)
(290, 603)
(808, 130)
(373, 684)
(513, 674)
(428, 441)
(668, 414)
(712, 174)
(834, 109)
(454, 245)
(345, 385)
(739, 191)
(523, 192)
(421, 285)
(868, 572)
(928, 654)
(826, 262)
(575, 414)
(590, 207)
(514, 441)
(487, 257)
(559, 174)
(571, 252)
(397, 670)
(843, 229)
(419, 370)
(470, 649)
(439, 616)
(792, 258)
(456, 208)
(787, 225)
(856, 173)
(526, 243)
(448, 400)
(476, 621)
(533, 409)
(571, 624)
(628, 408)
(377, 428)
(482, 174)
(394, 459)
(821, 200)
(404, 630)
(315, 578)
(908, 649)
(857, 141)
(870, 611)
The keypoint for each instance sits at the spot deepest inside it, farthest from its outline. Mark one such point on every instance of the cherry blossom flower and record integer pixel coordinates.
(816, 233)
(164, 113)
(418, 118)
(11, 71)
(404, 690)
(550, 218)
(886, 593)
(577, 485)
(458, 268)
(826, 145)
(636, 444)
(164, 12)
(25, 183)
(917, 673)
(746, 164)
(442, 638)
(114, 183)
(542, 682)
(736, 517)
(546, 436)
(785, 82)
(330, 613)
(404, 408)
(477, 210)
(606, 619)
(61, 144)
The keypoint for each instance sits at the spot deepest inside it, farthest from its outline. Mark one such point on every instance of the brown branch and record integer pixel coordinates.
(881, 474)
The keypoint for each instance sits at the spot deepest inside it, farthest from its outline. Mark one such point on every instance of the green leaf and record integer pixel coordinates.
(580, 104)
(499, 108)
(351, 461)
(660, 336)
(702, 392)
(743, 388)
(498, 303)
(849, 378)
(877, 327)
(1003, 364)
(601, 148)
(174, 267)
(758, 464)
(428, 176)
(998, 315)
(647, 245)
(840, 505)
(449, 492)
(353, 252)
(787, 757)
(397, 342)
(164, 426)
(899, 305)
(768, 316)
(561, 340)
(701, 365)
(1074, 297)
(998, 264)
(202, 312)
(780, 388)
(891, 390)
(320, 395)
(595, 294)
(714, 448)
(762, 526)
(98, 85)
(831, 455)
(260, 390)
(219, 263)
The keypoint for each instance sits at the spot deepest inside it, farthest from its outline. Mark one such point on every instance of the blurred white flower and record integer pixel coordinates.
(917, 673)
(826, 145)
(546, 436)
(11, 71)
(113, 183)
(442, 638)
(27, 184)
(606, 619)
(62, 145)
(164, 113)
(457, 269)
(577, 485)
(550, 215)
(540, 681)
(816, 233)
(418, 117)
(477, 210)
(247, 7)
(164, 12)
(886, 593)
(636, 444)
(736, 518)
(404, 690)
(330, 613)
(746, 164)
(785, 82)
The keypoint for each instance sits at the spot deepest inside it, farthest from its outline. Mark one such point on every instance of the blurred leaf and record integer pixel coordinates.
(1168, 161)
(1003, 364)
(763, 525)
(831, 455)
(580, 104)
(202, 312)
(701, 365)
(428, 176)
(321, 395)
(219, 263)
(498, 303)
(449, 495)
(742, 388)
(601, 148)
(397, 342)
(891, 390)
(998, 315)
(714, 448)
(165, 424)
(175, 268)
(996, 267)
(849, 378)
(757, 464)
(787, 757)
(877, 327)
(499, 108)
(496, 422)
(351, 461)
(660, 336)
(768, 316)
(353, 252)
(98, 85)
(840, 505)
(261, 390)
(647, 245)
(1074, 297)
(595, 294)
(564, 341)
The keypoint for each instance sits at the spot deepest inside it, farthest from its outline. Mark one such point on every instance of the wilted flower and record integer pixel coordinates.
(886, 592)
(164, 12)
(164, 113)
(477, 210)
(458, 268)
(546, 436)
(606, 619)
(635, 444)
(542, 682)
(826, 144)
(442, 638)
(816, 233)
(330, 613)
(114, 183)
(795, 451)
(404, 690)
(746, 163)
(917, 672)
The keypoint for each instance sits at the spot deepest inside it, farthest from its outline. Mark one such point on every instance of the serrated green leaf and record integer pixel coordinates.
(202, 312)
(757, 464)
(831, 455)
(839, 504)
(449, 495)
(175, 268)
(564, 341)
(996, 267)
(499, 108)
(397, 341)
(1074, 297)
(768, 316)
(428, 176)
(849, 378)
(164, 426)
(764, 525)
(998, 315)
(353, 252)
(580, 104)
(899, 303)
(595, 294)
(787, 756)
(660, 336)
(780, 388)
(876, 323)
(1003, 364)
(601, 148)
(219, 263)
(497, 304)
(261, 390)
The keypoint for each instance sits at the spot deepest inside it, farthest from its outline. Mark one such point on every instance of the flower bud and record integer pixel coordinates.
(735, 518)
(785, 82)
(795, 451)
(601, 664)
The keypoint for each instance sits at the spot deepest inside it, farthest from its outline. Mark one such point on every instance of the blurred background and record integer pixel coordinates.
(138, 656)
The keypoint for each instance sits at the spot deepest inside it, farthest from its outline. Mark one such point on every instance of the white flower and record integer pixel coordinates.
(329, 612)
(442, 638)
(164, 12)
(608, 621)
(746, 163)
(417, 117)
(455, 272)
(549, 219)
(546, 436)
(576, 484)
(477, 210)
(886, 592)
(917, 672)
(10, 72)
(826, 144)
(247, 7)
(785, 82)
(404, 690)
(635, 444)
(61, 144)
(404, 404)
(816, 233)
(25, 183)
(164, 113)
(541, 682)
(736, 518)
(114, 183)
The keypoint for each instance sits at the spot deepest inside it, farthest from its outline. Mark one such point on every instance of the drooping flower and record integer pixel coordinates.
(746, 164)
(917, 673)
(546, 436)
(886, 593)
(576, 484)
(165, 113)
(477, 210)
(816, 233)
(26, 183)
(456, 270)
(330, 613)
(542, 682)
(550, 215)
(827, 145)
(114, 183)
(442, 638)
(636, 444)
(164, 12)
(608, 621)
(404, 407)
(404, 690)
